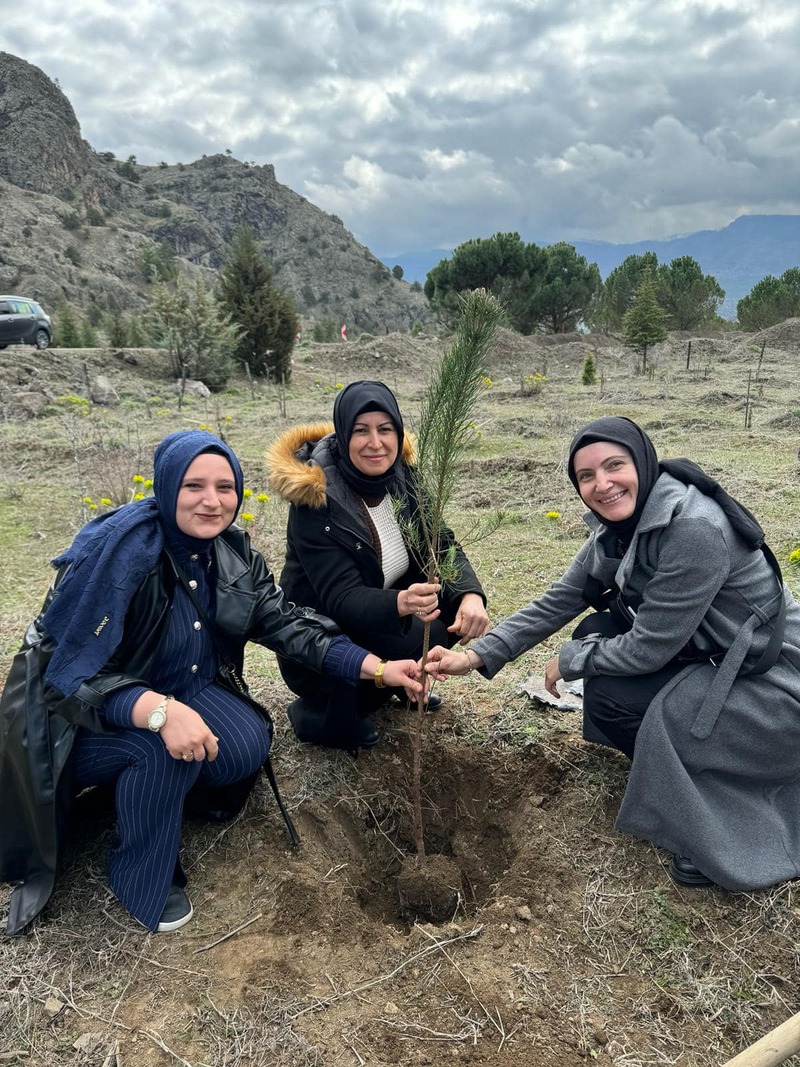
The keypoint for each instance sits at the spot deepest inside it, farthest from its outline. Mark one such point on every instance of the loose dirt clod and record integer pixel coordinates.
(429, 888)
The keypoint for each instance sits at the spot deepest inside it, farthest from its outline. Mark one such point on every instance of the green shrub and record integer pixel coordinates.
(589, 372)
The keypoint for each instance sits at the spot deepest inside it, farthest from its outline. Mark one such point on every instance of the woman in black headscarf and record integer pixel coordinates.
(142, 640)
(691, 662)
(349, 557)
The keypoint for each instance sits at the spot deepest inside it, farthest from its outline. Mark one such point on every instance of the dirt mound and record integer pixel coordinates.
(783, 335)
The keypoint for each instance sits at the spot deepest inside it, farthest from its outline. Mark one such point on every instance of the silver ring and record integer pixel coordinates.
(188, 756)
(419, 611)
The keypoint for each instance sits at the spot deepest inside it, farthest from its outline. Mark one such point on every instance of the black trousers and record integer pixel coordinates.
(614, 705)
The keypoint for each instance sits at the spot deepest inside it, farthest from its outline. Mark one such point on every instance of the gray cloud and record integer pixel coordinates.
(422, 125)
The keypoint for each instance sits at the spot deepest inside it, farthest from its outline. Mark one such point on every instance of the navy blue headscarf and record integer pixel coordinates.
(111, 556)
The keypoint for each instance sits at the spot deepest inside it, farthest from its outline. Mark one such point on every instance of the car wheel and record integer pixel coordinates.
(41, 339)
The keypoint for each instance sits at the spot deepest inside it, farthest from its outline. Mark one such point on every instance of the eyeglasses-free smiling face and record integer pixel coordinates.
(207, 497)
(607, 479)
(373, 443)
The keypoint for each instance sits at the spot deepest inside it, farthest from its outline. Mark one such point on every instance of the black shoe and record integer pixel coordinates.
(434, 702)
(310, 725)
(308, 721)
(177, 911)
(367, 733)
(683, 872)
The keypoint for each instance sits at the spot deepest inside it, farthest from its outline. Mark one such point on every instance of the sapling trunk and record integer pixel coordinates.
(444, 431)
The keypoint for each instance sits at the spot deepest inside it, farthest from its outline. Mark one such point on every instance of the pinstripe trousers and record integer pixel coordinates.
(151, 787)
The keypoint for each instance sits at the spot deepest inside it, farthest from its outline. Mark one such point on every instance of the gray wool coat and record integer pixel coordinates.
(716, 770)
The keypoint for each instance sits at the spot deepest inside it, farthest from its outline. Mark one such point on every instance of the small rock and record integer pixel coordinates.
(524, 913)
(391, 1008)
(103, 392)
(53, 1006)
(193, 388)
(90, 1042)
(31, 403)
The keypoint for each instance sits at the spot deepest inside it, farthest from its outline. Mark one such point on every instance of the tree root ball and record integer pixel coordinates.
(430, 890)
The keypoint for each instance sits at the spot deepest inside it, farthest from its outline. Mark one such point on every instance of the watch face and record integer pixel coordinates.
(157, 719)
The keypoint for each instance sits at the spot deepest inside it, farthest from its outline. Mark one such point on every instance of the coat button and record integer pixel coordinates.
(327, 529)
(193, 668)
(358, 545)
(198, 625)
(192, 584)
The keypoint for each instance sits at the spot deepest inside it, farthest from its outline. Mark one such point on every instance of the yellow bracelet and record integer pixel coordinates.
(379, 682)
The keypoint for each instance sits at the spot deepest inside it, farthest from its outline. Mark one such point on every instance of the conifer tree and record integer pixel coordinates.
(265, 315)
(67, 334)
(645, 321)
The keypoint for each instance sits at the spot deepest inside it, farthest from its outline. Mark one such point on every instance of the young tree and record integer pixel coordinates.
(88, 335)
(159, 263)
(589, 372)
(619, 291)
(265, 315)
(117, 330)
(645, 322)
(444, 430)
(199, 336)
(66, 333)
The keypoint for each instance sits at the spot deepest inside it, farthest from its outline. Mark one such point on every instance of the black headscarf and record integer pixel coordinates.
(111, 556)
(622, 431)
(354, 400)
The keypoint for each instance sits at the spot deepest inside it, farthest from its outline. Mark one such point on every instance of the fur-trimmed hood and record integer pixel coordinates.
(296, 466)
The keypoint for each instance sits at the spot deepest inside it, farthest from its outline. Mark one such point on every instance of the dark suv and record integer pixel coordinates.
(23, 322)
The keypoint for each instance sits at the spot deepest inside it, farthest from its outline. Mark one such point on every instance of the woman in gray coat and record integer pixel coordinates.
(692, 668)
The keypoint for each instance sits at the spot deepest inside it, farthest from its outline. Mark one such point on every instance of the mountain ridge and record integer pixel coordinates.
(76, 224)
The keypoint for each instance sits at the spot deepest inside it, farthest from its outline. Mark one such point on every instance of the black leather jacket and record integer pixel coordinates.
(37, 725)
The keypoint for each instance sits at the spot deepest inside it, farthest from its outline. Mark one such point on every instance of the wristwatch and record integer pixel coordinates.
(379, 682)
(158, 716)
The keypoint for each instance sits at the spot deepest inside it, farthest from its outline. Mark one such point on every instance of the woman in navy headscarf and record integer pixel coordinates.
(152, 606)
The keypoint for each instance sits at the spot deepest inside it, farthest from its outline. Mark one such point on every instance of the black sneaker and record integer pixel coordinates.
(683, 872)
(177, 911)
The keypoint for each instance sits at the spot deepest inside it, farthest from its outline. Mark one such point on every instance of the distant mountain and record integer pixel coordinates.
(416, 264)
(739, 255)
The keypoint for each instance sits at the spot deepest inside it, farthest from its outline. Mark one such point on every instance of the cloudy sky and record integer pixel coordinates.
(422, 123)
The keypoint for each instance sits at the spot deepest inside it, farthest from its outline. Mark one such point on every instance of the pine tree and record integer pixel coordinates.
(265, 315)
(644, 323)
(198, 334)
(67, 334)
(589, 373)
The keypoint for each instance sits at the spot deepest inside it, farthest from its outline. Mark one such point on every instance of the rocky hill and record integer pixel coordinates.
(75, 223)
